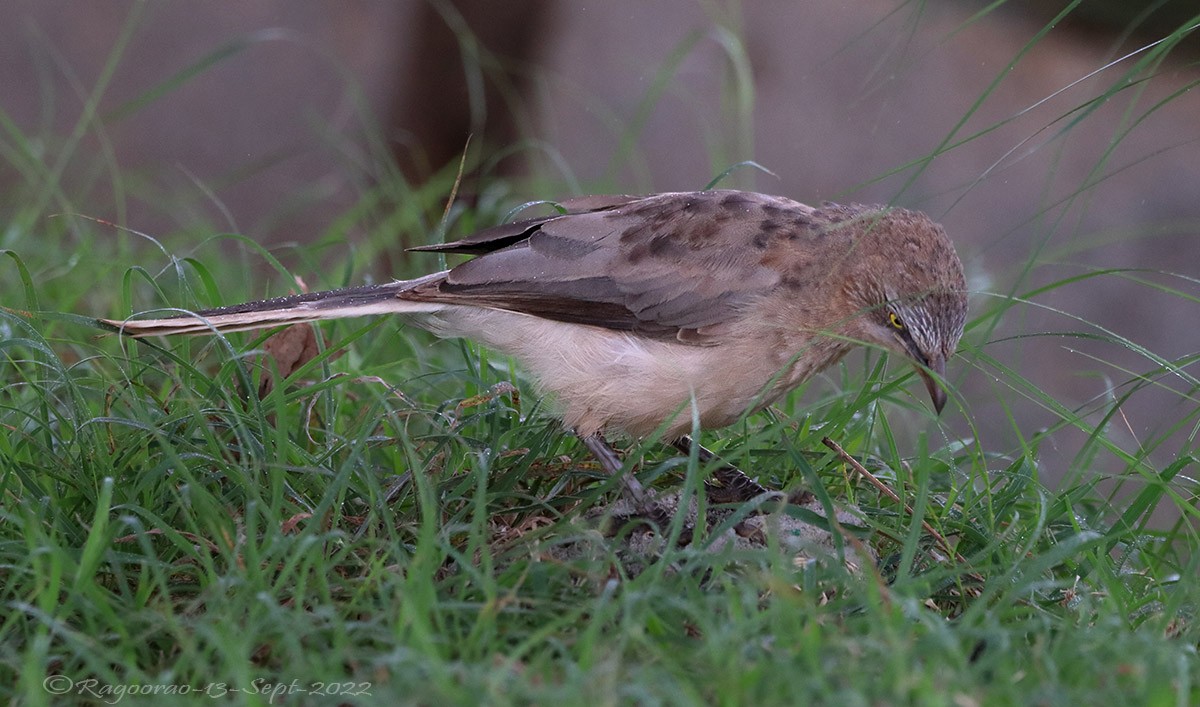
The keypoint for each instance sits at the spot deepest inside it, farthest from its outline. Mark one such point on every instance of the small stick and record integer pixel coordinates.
(938, 537)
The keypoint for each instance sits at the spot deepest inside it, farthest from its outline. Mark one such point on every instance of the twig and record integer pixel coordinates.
(862, 470)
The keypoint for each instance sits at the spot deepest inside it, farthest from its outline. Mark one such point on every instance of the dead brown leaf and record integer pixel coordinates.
(290, 348)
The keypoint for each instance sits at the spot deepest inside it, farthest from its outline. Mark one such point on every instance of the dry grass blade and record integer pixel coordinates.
(943, 544)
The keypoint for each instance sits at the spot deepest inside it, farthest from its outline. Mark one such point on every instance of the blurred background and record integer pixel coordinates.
(1048, 145)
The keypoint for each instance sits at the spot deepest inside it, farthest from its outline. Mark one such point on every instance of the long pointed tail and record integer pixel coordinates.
(280, 311)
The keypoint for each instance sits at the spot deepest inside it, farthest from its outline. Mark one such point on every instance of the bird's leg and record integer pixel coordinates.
(731, 483)
(644, 506)
(611, 463)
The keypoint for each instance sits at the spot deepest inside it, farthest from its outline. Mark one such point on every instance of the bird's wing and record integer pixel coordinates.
(673, 266)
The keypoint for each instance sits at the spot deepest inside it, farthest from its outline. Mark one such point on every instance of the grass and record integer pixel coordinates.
(391, 524)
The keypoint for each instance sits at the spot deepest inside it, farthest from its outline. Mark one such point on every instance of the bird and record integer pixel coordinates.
(638, 314)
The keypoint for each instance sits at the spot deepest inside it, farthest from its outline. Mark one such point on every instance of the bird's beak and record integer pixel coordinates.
(936, 365)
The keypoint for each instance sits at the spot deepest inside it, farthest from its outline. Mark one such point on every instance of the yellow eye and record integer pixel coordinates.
(895, 321)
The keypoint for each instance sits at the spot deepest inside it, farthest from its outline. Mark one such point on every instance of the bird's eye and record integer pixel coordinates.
(895, 321)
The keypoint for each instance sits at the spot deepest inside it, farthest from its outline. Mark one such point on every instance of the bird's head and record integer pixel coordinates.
(907, 288)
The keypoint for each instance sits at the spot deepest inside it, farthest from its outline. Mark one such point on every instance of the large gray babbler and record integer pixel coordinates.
(629, 310)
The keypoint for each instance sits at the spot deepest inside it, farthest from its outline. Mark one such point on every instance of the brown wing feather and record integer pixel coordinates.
(679, 265)
(506, 234)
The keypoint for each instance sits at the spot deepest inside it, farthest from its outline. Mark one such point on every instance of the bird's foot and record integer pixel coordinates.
(730, 484)
(643, 504)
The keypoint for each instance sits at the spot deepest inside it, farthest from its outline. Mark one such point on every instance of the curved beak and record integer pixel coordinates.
(935, 365)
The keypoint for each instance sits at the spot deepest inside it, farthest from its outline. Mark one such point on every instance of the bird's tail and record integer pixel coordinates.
(281, 311)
